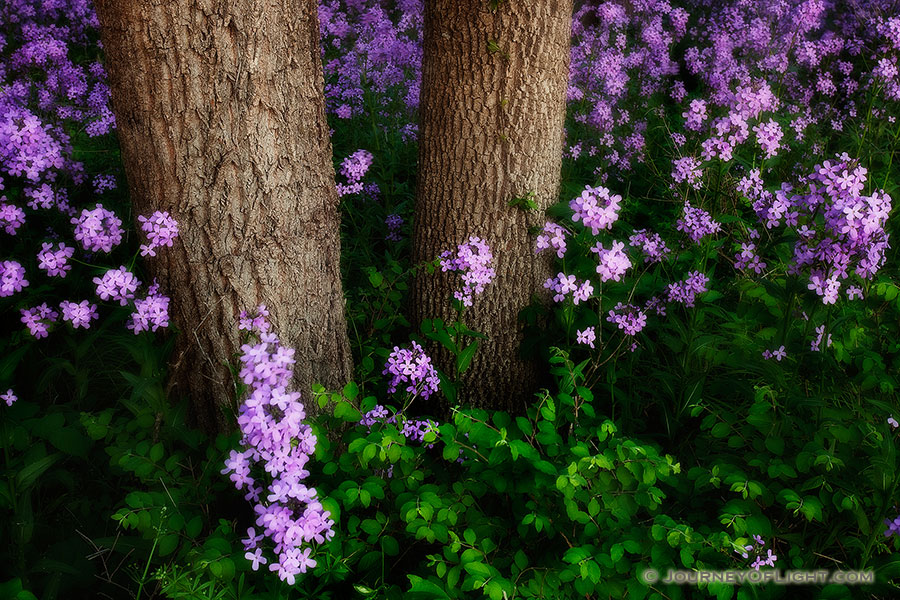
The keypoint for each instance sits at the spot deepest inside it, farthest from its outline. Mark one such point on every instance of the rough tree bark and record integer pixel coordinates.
(492, 112)
(221, 120)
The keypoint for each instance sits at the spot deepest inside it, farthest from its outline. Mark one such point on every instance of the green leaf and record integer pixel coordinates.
(422, 589)
(30, 472)
(194, 526)
(351, 391)
(465, 357)
(375, 278)
(477, 569)
(347, 412)
(156, 452)
(389, 545)
(167, 544)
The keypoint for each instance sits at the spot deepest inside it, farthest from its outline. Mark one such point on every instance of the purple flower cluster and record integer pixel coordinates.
(416, 429)
(38, 319)
(562, 285)
(697, 223)
(748, 259)
(685, 291)
(412, 429)
(622, 54)
(161, 230)
(103, 182)
(98, 229)
(354, 168)
(373, 49)
(628, 317)
(614, 263)
(760, 559)
(687, 170)
(768, 136)
(473, 259)
(552, 236)
(44, 93)
(271, 465)
(596, 208)
(586, 336)
(776, 354)
(55, 261)
(411, 368)
(838, 230)
(117, 284)
(79, 314)
(11, 217)
(394, 223)
(12, 278)
(150, 314)
(651, 245)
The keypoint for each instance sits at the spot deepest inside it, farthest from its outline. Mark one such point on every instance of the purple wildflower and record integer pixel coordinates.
(628, 318)
(685, 291)
(473, 259)
(38, 319)
(9, 397)
(117, 284)
(596, 208)
(613, 262)
(587, 336)
(651, 244)
(552, 236)
(276, 443)
(355, 166)
(11, 217)
(697, 223)
(161, 230)
(151, 313)
(12, 278)
(412, 368)
(98, 229)
(79, 314)
(55, 262)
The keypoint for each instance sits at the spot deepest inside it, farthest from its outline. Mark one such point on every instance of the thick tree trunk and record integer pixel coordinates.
(221, 120)
(492, 113)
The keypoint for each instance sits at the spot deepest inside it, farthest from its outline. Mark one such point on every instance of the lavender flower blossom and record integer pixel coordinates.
(161, 230)
(472, 259)
(587, 336)
(12, 278)
(9, 397)
(117, 284)
(55, 262)
(277, 444)
(79, 314)
(412, 368)
(38, 319)
(552, 236)
(596, 208)
(98, 229)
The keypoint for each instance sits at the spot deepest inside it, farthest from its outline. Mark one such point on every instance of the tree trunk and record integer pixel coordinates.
(492, 113)
(221, 120)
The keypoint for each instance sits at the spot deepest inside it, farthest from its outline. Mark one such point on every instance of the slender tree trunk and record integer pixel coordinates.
(221, 119)
(492, 113)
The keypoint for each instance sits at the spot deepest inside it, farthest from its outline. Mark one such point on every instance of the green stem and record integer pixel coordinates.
(891, 159)
(883, 512)
(147, 566)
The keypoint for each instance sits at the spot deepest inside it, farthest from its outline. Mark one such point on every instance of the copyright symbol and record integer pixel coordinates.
(650, 576)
